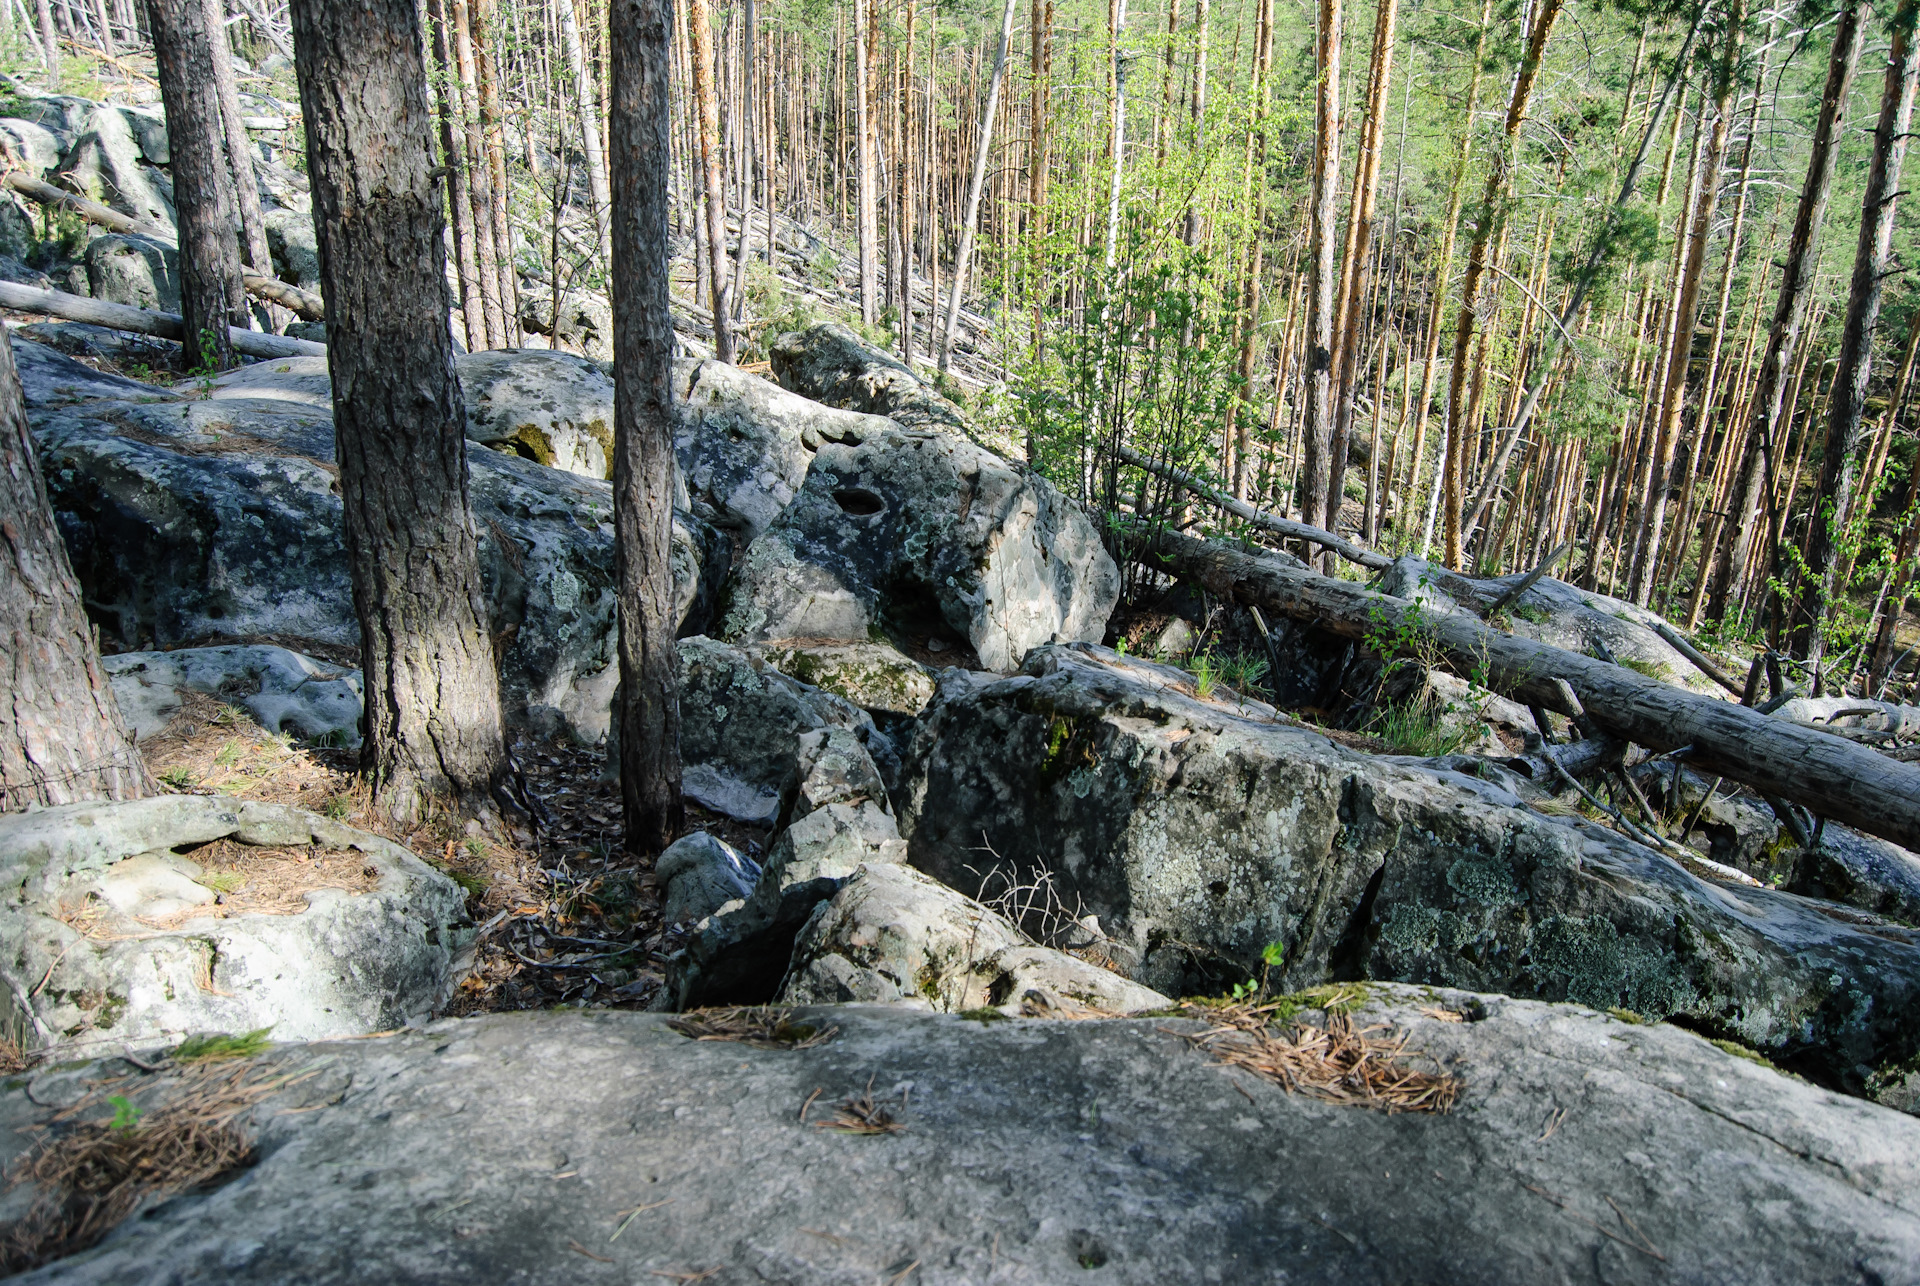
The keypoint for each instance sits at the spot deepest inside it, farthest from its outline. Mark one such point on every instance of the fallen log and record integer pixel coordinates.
(1258, 517)
(1830, 775)
(304, 302)
(98, 312)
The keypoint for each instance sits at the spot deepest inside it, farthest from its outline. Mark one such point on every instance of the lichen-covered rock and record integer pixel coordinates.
(134, 271)
(586, 321)
(745, 443)
(1860, 870)
(702, 873)
(874, 676)
(1200, 832)
(194, 520)
(741, 726)
(921, 535)
(294, 245)
(283, 690)
(107, 163)
(101, 946)
(552, 408)
(893, 935)
(831, 364)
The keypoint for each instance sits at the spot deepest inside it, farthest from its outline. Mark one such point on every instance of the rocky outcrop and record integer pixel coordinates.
(284, 691)
(1031, 1151)
(892, 935)
(115, 935)
(552, 408)
(1200, 832)
(196, 519)
(877, 677)
(134, 271)
(586, 321)
(926, 538)
(701, 873)
(831, 364)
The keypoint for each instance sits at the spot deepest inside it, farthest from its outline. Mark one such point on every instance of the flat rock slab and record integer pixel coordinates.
(605, 1147)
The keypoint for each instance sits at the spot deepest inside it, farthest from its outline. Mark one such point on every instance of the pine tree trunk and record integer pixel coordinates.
(212, 297)
(49, 45)
(707, 111)
(61, 736)
(644, 468)
(587, 100)
(459, 202)
(970, 223)
(1316, 475)
(1765, 435)
(433, 727)
(865, 27)
(1202, 12)
(493, 132)
(246, 189)
(1849, 397)
(487, 251)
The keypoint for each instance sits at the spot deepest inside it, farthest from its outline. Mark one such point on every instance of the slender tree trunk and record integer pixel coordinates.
(707, 109)
(1849, 396)
(903, 194)
(1239, 436)
(1492, 218)
(493, 132)
(865, 27)
(459, 201)
(587, 100)
(1117, 126)
(49, 44)
(212, 297)
(1202, 12)
(749, 35)
(1765, 430)
(487, 251)
(1353, 277)
(1316, 477)
(246, 189)
(433, 727)
(644, 468)
(974, 186)
(1687, 306)
(61, 736)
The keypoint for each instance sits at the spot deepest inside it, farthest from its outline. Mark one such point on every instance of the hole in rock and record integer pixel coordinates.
(858, 501)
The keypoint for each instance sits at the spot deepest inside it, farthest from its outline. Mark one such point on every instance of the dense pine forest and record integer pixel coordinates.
(1467, 281)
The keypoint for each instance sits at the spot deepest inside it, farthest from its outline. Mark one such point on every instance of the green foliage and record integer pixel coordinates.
(221, 1047)
(223, 881)
(178, 778)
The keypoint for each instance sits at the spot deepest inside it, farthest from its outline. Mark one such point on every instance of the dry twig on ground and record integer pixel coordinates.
(757, 1025)
(1337, 1063)
(859, 1114)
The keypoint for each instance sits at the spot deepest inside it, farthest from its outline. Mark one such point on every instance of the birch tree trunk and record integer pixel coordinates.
(970, 223)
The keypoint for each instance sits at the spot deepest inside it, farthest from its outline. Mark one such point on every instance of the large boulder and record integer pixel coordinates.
(551, 408)
(877, 677)
(923, 537)
(134, 271)
(1202, 831)
(831, 364)
(116, 936)
(284, 691)
(892, 935)
(195, 520)
(586, 321)
(702, 873)
(107, 163)
(294, 245)
(529, 1147)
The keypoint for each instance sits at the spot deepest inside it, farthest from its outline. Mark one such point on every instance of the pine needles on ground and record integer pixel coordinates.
(757, 1025)
(1336, 1063)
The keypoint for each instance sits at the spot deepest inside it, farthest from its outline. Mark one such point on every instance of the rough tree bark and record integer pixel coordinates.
(707, 114)
(586, 96)
(1849, 396)
(212, 297)
(1789, 313)
(432, 695)
(643, 426)
(61, 735)
(1322, 214)
(246, 190)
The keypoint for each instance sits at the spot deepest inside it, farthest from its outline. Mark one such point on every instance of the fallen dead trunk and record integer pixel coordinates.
(1832, 776)
(304, 302)
(98, 312)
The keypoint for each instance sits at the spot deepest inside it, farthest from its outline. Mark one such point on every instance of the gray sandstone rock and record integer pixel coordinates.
(500, 1148)
(586, 321)
(107, 163)
(922, 535)
(892, 935)
(874, 676)
(1199, 832)
(294, 245)
(134, 271)
(90, 963)
(702, 873)
(831, 364)
(284, 691)
(552, 408)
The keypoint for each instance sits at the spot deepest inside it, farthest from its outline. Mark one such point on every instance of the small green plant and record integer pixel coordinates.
(1206, 673)
(229, 754)
(178, 778)
(1271, 957)
(221, 1047)
(223, 881)
(126, 1113)
(337, 808)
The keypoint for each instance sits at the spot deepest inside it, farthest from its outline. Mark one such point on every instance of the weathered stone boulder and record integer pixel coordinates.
(107, 163)
(1200, 832)
(745, 443)
(892, 935)
(134, 271)
(877, 677)
(831, 364)
(924, 536)
(701, 873)
(294, 245)
(1862, 871)
(284, 691)
(194, 520)
(586, 321)
(741, 726)
(1031, 1151)
(104, 943)
(34, 147)
(552, 408)
(1555, 613)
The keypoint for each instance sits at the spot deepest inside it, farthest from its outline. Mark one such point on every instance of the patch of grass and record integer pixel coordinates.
(1649, 669)
(1738, 1050)
(223, 881)
(221, 1047)
(229, 754)
(1628, 1016)
(984, 1015)
(337, 808)
(1417, 728)
(178, 778)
